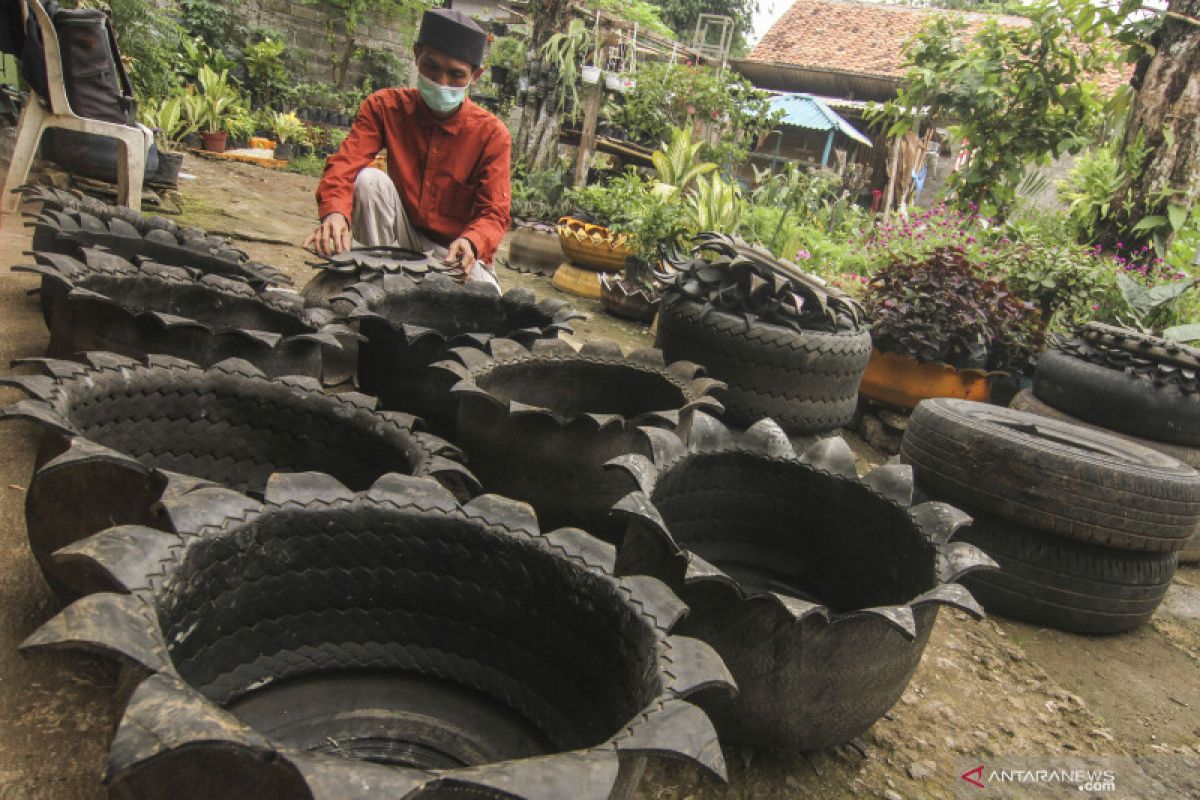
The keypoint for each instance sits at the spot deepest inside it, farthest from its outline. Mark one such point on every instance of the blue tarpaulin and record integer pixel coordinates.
(806, 111)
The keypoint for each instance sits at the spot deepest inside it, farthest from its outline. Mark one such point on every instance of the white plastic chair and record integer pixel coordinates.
(134, 142)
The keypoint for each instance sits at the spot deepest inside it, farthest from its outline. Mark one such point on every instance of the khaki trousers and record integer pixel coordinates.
(380, 220)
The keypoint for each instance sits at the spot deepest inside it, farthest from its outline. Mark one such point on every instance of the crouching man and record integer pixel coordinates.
(446, 190)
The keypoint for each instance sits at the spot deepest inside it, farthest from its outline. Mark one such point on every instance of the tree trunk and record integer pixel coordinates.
(1166, 112)
(530, 145)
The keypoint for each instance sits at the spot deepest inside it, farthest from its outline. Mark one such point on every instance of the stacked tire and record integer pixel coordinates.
(1086, 526)
(1136, 386)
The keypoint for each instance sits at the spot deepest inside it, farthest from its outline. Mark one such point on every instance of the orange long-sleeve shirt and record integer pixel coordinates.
(452, 174)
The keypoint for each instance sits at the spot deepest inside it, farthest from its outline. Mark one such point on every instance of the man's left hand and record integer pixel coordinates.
(462, 255)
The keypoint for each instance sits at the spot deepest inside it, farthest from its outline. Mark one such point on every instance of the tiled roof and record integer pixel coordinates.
(866, 38)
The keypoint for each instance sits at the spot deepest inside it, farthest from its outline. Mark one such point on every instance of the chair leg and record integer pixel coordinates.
(33, 122)
(131, 173)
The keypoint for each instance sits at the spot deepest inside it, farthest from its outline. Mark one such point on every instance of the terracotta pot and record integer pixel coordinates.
(593, 246)
(214, 142)
(900, 381)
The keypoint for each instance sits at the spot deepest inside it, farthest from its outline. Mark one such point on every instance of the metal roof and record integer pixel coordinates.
(806, 111)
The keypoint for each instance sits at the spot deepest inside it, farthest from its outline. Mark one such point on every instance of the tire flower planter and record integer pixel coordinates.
(389, 643)
(786, 345)
(118, 431)
(900, 381)
(593, 246)
(578, 281)
(627, 299)
(539, 424)
(67, 231)
(534, 250)
(1129, 382)
(107, 303)
(409, 324)
(337, 273)
(818, 589)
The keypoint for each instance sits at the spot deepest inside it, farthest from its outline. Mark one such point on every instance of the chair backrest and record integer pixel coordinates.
(54, 69)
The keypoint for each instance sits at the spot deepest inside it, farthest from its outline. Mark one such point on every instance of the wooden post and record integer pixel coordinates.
(893, 168)
(587, 136)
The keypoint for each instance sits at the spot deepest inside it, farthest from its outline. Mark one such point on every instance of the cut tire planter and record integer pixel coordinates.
(628, 300)
(577, 281)
(121, 435)
(538, 425)
(337, 273)
(531, 251)
(593, 247)
(900, 381)
(66, 231)
(107, 303)
(1117, 394)
(391, 643)
(807, 381)
(407, 325)
(818, 589)
(1065, 584)
(1064, 479)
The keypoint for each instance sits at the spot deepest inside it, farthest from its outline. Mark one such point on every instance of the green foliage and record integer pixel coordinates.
(166, 118)
(1150, 308)
(1090, 188)
(197, 55)
(286, 127)
(219, 99)
(507, 51)
(565, 51)
(681, 16)
(605, 204)
(677, 164)
(150, 41)
(1065, 280)
(714, 205)
(678, 96)
(385, 68)
(310, 165)
(646, 15)
(208, 21)
(1019, 95)
(540, 195)
(265, 69)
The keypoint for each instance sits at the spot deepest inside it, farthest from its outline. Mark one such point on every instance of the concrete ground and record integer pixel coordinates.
(989, 693)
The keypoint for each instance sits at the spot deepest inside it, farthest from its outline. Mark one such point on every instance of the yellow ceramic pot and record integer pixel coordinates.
(593, 246)
(900, 381)
(579, 282)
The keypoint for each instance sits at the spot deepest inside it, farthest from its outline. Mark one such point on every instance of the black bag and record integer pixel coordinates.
(98, 87)
(12, 33)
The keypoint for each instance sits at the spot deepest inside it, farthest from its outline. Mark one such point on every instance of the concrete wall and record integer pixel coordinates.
(307, 32)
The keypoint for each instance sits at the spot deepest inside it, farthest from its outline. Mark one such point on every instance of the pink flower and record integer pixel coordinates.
(802, 254)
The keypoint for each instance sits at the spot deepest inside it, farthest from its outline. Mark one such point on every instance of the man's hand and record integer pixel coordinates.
(331, 237)
(462, 255)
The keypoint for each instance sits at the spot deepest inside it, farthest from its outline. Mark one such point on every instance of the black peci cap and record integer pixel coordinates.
(453, 33)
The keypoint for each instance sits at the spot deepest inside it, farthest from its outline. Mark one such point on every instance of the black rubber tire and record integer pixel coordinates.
(1118, 400)
(399, 719)
(1068, 585)
(1061, 478)
(806, 381)
(1026, 400)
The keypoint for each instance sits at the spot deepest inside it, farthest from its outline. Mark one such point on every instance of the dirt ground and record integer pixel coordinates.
(994, 693)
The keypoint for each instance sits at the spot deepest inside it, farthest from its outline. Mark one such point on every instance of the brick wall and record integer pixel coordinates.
(306, 32)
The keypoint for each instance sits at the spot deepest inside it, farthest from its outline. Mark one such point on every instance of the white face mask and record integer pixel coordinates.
(442, 99)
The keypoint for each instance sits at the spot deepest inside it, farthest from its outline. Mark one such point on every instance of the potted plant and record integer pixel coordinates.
(218, 98)
(941, 328)
(288, 131)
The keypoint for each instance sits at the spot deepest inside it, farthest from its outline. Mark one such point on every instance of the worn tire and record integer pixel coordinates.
(807, 381)
(1026, 400)
(1117, 399)
(1061, 478)
(1065, 584)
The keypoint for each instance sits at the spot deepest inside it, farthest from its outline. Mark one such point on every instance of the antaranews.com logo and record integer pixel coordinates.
(1018, 778)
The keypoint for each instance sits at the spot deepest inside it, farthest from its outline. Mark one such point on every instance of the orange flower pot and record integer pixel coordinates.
(593, 246)
(579, 282)
(900, 381)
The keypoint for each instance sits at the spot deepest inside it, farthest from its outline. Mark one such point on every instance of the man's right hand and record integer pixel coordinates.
(331, 237)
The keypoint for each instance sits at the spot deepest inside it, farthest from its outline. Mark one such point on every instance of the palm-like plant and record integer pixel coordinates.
(217, 95)
(677, 163)
(713, 205)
